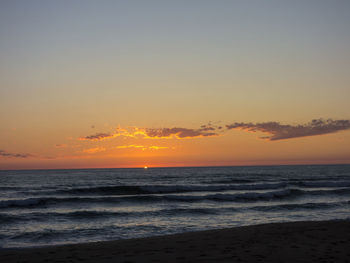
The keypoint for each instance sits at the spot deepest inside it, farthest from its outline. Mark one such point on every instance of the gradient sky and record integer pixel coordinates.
(74, 69)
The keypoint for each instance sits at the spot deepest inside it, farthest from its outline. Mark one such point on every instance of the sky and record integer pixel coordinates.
(97, 84)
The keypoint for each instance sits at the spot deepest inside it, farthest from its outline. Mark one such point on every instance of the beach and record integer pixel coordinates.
(321, 241)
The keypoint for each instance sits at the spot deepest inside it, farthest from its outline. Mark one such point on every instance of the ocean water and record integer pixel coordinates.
(48, 207)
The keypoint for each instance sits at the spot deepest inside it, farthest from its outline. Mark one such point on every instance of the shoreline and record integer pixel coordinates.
(305, 241)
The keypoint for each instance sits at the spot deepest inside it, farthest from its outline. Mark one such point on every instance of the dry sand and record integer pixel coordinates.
(283, 242)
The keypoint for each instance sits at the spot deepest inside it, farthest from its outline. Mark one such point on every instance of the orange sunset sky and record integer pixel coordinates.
(95, 84)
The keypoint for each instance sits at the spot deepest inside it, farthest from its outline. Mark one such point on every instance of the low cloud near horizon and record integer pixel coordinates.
(280, 131)
(276, 130)
(14, 155)
(207, 130)
(181, 132)
(97, 137)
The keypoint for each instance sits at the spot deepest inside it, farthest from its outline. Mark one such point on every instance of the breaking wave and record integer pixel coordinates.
(238, 197)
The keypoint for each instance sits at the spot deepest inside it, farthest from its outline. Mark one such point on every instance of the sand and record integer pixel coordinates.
(327, 241)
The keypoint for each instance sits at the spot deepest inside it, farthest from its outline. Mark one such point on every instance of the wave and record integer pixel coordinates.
(6, 218)
(105, 215)
(330, 184)
(303, 206)
(47, 201)
(67, 235)
(11, 188)
(21, 202)
(257, 196)
(107, 190)
(252, 196)
(228, 181)
(238, 197)
(163, 189)
(192, 211)
(168, 189)
(41, 201)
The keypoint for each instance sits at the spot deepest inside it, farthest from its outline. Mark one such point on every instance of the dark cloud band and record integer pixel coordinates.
(276, 130)
(180, 132)
(14, 155)
(279, 131)
(97, 137)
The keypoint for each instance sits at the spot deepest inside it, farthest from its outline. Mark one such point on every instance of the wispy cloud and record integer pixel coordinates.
(119, 132)
(6, 154)
(142, 147)
(97, 137)
(181, 132)
(157, 147)
(207, 130)
(94, 150)
(276, 130)
(279, 131)
(60, 145)
(130, 146)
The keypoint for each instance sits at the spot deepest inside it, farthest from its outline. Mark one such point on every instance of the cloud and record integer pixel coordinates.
(157, 133)
(207, 130)
(94, 150)
(279, 131)
(129, 146)
(61, 145)
(177, 132)
(163, 133)
(129, 132)
(14, 155)
(157, 147)
(97, 137)
(153, 147)
(276, 131)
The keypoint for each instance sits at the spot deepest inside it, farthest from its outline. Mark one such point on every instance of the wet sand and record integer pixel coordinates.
(327, 241)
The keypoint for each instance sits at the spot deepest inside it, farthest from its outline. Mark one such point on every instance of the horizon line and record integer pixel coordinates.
(189, 166)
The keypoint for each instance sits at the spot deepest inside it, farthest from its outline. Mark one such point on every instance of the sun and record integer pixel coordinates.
(145, 167)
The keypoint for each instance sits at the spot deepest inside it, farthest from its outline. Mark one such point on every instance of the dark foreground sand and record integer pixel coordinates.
(284, 242)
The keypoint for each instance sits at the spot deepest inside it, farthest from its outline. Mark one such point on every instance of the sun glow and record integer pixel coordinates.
(145, 167)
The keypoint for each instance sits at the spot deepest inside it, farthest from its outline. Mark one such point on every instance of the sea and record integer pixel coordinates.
(50, 207)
